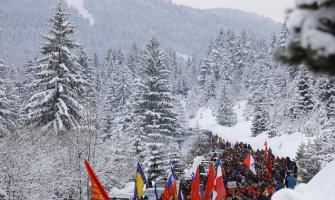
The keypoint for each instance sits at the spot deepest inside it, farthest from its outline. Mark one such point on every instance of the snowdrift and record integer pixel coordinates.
(321, 187)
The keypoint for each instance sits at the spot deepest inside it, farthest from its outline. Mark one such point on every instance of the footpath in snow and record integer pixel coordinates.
(285, 145)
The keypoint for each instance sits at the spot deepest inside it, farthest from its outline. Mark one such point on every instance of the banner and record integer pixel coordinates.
(98, 191)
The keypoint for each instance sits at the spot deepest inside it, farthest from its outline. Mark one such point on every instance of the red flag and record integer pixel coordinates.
(196, 187)
(98, 191)
(266, 148)
(210, 182)
(165, 193)
(219, 188)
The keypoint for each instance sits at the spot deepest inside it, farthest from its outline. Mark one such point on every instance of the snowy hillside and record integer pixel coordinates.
(285, 145)
(320, 187)
(108, 24)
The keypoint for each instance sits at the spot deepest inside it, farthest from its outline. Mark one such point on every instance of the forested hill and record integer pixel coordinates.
(117, 23)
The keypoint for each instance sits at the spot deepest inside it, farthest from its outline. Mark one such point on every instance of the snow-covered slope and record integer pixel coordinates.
(118, 23)
(285, 145)
(321, 187)
(79, 6)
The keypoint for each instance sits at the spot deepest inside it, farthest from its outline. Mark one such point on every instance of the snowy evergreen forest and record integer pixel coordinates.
(127, 105)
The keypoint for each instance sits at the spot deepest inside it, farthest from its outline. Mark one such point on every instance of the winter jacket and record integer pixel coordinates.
(291, 182)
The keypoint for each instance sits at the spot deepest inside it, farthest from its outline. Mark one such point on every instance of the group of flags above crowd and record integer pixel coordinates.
(215, 189)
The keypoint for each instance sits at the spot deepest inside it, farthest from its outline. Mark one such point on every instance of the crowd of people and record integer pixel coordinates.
(248, 186)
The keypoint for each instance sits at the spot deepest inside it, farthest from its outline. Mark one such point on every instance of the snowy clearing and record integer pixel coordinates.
(285, 145)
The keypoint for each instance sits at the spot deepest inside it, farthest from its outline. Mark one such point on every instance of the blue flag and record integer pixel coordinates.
(156, 195)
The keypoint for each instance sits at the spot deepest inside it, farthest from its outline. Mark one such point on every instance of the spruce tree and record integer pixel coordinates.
(225, 114)
(327, 141)
(304, 101)
(58, 79)
(156, 104)
(311, 166)
(133, 61)
(259, 122)
(5, 108)
(326, 94)
(90, 75)
(155, 109)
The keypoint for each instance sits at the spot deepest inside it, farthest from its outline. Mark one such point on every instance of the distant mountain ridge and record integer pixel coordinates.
(118, 23)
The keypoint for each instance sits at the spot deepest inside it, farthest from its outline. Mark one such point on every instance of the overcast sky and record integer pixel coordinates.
(274, 9)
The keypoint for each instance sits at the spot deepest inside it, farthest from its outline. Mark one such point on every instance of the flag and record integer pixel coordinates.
(156, 194)
(165, 193)
(98, 191)
(202, 192)
(219, 189)
(193, 175)
(250, 163)
(176, 189)
(210, 182)
(195, 188)
(266, 149)
(140, 181)
(180, 195)
(171, 183)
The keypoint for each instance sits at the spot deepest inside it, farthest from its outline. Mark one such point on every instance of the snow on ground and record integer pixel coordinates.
(320, 187)
(79, 5)
(127, 190)
(285, 145)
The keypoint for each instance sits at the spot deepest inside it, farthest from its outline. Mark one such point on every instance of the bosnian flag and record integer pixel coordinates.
(250, 163)
(219, 189)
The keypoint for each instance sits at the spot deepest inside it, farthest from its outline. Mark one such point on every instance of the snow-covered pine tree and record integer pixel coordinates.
(58, 77)
(156, 103)
(327, 141)
(134, 62)
(13, 96)
(282, 38)
(308, 165)
(193, 100)
(122, 86)
(309, 21)
(300, 158)
(225, 114)
(174, 155)
(205, 65)
(155, 109)
(304, 102)
(259, 121)
(5, 109)
(326, 94)
(260, 100)
(300, 154)
(89, 74)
